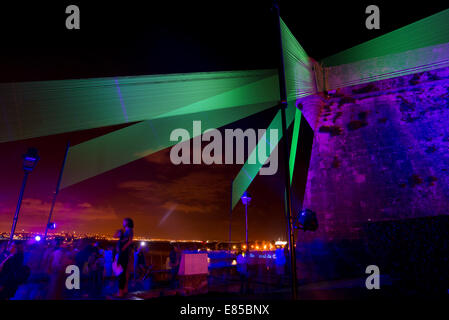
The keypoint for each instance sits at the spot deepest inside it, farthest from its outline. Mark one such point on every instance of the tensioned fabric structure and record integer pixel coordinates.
(157, 104)
(418, 47)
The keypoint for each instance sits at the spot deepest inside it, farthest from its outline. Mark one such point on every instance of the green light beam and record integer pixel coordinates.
(294, 144)
(426, 32)
(249, 170)
(123, 146)
(34, 109)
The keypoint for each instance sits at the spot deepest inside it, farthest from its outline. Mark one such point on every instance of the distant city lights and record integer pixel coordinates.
(142, 241)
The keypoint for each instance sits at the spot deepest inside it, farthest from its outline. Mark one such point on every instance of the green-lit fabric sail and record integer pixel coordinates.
(120, 147)
(161, 103)
(34, 109)
(426, 32)
(299, 75)
(249, 171)
(388, 66)
(295, 142)
(300, 82)
(418, 47)
(260, 91)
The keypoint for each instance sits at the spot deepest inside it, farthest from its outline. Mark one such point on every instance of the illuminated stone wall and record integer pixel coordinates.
(380, 152)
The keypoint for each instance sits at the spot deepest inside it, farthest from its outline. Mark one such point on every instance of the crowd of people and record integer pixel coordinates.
(37, 270)
(34, 270)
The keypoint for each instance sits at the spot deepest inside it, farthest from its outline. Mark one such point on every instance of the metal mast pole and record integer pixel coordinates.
(246, 227)
(230, 220)
(55, 195)
(283, 106)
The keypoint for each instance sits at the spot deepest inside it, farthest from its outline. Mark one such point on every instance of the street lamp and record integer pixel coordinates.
(30, 160)
(246, 199)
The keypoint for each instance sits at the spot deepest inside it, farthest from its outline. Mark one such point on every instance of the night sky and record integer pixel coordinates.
(118, 39)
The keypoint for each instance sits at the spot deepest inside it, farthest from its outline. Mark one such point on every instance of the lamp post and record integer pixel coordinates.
(30, 160)
(246, 199)
(230, 219)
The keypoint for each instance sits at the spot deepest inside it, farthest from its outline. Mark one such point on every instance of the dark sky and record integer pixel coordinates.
(137, 38)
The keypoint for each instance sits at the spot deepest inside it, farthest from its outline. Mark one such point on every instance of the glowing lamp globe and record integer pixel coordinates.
(246, 198)
(30, 159)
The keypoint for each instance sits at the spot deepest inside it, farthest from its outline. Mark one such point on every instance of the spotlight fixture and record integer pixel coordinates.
(306, 220)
